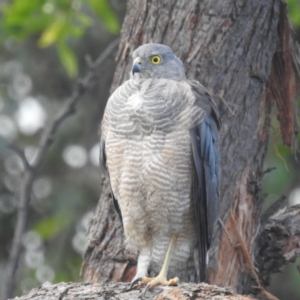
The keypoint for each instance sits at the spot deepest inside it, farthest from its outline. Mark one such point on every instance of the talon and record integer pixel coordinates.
(145, 280)
(173, 281)
(137, 280)
(146, 289)
(159, 280)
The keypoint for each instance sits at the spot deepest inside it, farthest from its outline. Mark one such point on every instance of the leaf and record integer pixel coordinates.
(68, 59)
(53, 32)
(106, 14)
(49, 227)
(294, 12)
(84, 20)
(22, 18)
(76, 31)
(21, 8)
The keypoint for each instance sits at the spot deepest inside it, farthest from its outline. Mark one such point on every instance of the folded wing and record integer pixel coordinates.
(206, 173)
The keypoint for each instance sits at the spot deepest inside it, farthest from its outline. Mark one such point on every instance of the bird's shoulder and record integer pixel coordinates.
(124, 91)
(155, 88)
(205, 100)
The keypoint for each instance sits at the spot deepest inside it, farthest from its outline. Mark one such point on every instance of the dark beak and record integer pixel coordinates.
(136, 68)
(137, 65)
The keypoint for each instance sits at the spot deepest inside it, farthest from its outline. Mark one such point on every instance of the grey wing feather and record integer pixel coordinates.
(104, 171)
(206, 177)
(102, 158)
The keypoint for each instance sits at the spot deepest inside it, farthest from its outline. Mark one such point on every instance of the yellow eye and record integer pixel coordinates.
(155, 59)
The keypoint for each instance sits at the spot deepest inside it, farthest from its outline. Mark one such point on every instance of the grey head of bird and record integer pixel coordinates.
(156, 61)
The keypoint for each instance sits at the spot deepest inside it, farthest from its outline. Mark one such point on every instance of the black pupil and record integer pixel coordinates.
(155, 59)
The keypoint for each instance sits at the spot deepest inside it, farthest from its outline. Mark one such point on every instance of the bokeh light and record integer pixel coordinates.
(294, 197)
(32, 240)
(12, 182)
(11, 68)
(42, 187)
(30, 153)
(94, 154)
(30, 116)
(21, 85)
(79, 241)
(48, 8)
(8, 128)
(34, 258)
(84, 223)
(14, 165)
(1, 103)
(75, 156)
(8, 203)
(44, 273)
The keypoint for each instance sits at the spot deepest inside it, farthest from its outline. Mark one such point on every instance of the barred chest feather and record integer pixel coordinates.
(146, 131)
(142, 107)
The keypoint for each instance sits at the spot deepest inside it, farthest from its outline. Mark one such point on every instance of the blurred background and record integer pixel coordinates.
(43, 44)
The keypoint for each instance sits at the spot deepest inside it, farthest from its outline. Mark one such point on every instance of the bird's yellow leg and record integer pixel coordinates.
(161, 278)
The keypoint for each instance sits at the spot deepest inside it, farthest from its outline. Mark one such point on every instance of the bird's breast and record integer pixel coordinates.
(148, 146)
(141, 107)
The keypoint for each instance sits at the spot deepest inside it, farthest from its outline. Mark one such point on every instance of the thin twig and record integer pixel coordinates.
(31, 169)
(271, 210)
(268, 170)
(21, 154)
(281, 157)
(107, 51)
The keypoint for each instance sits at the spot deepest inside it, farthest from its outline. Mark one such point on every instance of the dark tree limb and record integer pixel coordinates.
(46, 140)
(116, 291)
(271, 210)
(278, 243)
(21, 154)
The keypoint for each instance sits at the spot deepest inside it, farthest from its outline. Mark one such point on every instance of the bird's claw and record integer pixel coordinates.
(159, 280)
(134, 281)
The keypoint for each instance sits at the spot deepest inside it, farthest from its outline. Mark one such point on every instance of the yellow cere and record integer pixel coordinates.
(155, 59)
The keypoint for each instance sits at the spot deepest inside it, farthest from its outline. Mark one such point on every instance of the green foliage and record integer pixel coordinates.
(56, 23)
(68, 59)
(49, 227)
(106, 14)
(294, 11)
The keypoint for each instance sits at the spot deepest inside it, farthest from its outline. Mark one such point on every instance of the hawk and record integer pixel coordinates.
(159, 147)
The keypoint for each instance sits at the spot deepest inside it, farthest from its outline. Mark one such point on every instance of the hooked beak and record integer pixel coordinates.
(136, 68)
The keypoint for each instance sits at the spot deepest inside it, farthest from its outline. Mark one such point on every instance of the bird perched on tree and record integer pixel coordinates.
(159, 146)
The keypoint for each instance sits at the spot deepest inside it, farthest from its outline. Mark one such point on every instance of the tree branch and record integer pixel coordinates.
(69, 107)
(46, 140)
(278, 243)
(21, 154)
(184, 291)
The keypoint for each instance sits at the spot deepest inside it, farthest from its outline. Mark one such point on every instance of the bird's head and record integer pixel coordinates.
(156, 61)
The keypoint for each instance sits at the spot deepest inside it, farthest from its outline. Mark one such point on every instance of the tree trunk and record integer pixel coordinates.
(241, 52)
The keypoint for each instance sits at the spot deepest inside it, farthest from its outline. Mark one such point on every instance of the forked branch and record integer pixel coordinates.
(83, 85)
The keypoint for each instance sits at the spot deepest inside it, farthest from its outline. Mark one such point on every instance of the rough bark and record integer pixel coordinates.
(116, 291)
(241, 51)
(278, 242)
